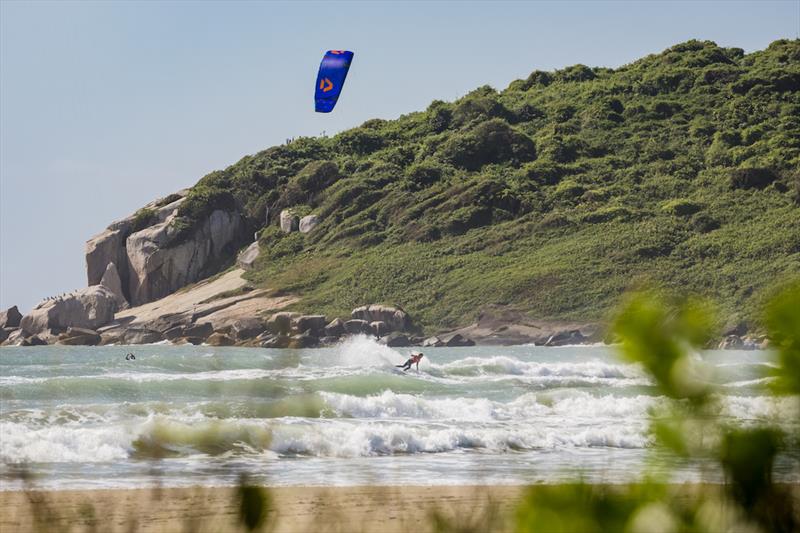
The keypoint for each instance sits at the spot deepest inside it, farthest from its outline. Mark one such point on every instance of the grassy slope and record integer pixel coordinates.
(551, 197)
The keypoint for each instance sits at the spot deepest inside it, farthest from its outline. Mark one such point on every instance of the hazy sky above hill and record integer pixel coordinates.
(106, 106)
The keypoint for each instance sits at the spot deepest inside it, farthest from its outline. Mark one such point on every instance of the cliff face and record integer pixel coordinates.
(158, 268)
(156, 256)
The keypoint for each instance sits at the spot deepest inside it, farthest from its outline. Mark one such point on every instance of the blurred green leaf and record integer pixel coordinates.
(661, 336)
(783, 323)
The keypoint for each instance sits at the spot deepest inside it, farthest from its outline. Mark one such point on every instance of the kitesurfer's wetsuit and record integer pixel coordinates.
(407, 365)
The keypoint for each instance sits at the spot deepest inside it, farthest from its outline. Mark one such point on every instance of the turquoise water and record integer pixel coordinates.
(84, 417)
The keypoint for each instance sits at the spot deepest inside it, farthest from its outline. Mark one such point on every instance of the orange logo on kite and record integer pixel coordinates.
(337, 52)
(325, 84)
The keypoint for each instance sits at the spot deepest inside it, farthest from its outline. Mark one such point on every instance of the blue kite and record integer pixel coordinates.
(330, 79)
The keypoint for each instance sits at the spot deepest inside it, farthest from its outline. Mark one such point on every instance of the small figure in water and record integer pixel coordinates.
(130, 357)
(416, 357)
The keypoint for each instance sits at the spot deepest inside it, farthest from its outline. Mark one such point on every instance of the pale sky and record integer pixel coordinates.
(105, 106)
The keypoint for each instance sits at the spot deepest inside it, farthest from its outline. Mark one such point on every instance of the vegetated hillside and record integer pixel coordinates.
(551, 197)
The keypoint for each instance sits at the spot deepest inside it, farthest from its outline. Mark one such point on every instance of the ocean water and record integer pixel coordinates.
(84, 417)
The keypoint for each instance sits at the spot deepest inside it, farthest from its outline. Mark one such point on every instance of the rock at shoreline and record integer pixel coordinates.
(308, 223)
(10, 318)
(281, 323)
(396, 340)
(304, 340)
(79, 337)
(141, 336)
(278, 341)
(433, 342)
(731, 342)
(15, 337)
(88, 308)
(247, 258)
(335, 328)
(395, 318)
(174, 333)
(5, 333)
(220, 339)
(200, 330)
(248, 328)
(357, 326)
(33, 340)
(566, 337)
(313, 323)
(458, 341)
(736, 342)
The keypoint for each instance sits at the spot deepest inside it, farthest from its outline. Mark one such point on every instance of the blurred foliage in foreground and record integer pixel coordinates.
(663, 335)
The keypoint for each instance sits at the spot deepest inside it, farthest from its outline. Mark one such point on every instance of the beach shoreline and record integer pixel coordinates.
(384, 509)
(292, 509)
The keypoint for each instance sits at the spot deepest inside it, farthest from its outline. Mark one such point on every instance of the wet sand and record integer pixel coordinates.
(292, 509)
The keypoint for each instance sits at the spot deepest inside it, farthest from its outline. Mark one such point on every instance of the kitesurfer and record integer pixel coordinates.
(415, 358)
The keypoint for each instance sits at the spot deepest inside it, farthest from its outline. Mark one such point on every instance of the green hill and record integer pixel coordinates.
(551, 197)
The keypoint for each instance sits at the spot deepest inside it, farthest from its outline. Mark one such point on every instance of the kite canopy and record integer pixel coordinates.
(330, 80)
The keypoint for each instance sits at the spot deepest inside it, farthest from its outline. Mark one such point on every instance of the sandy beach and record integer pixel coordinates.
(293, 509)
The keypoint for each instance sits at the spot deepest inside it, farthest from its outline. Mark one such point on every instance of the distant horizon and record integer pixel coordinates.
(91, 133)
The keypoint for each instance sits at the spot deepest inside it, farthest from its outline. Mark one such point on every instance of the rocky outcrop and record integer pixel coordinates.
(433, 342)
(308, 223)
(335, 328)
(220, 339)
(201, 330)
(357, 326)
(79, 337)
(564, 338)
(247, 258)
(457, 341)
(89, 308)
(248, 328)
(154, 256)
(109, 246)
(396, 340)
(731, 342)
(303, 340)
(141, 336)
(33, 340)
(113, 283)
(747, 342)
(312, 323)
(10, 318)
(160, 262)
(105, 248)
(281, 323)
(14, 337)
(277, 341)
(395, 318)
(289, 221)
(500, 326)
(5, 333)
